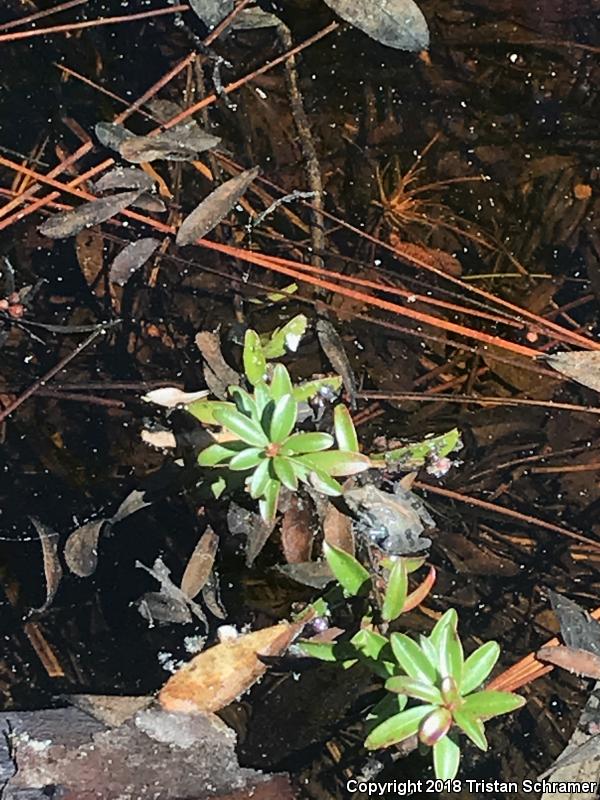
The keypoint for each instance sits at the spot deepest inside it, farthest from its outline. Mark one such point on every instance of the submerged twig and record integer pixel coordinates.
(33, 388)
(307, 146)
(92, 23)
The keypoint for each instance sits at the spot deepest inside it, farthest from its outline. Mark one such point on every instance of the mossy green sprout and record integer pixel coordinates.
(433, 691)
(262, 440)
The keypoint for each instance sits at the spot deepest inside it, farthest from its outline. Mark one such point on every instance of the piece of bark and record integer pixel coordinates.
(153, 754)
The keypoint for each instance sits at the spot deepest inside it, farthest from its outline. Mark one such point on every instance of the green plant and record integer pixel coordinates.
(260, 439)
(431, 687)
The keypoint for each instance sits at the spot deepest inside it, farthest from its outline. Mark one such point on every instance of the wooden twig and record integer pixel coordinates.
(33, 388)
(15, 23)
(92, 23)
(507, 512)
(307, 146)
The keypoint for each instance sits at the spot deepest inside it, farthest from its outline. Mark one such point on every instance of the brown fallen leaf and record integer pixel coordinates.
(297, 526)
(217, 372)
(81, 548)
(200, 565)
(131, 258)
(582, 366)
(333, 347)
(70, 223)
(170, 604)
(337, 529)
(573, 659)
(213, 208)
(150, 202)
(429, 255)
(243, 521)
(52, 568)
(89, 248)
(134, 501)
(216, 677)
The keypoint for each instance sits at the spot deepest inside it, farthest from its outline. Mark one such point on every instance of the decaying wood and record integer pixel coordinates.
(153, 754)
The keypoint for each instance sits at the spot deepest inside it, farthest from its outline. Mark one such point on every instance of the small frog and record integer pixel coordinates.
(393, 521)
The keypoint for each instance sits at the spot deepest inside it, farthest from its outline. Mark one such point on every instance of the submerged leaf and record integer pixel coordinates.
(180, 143)
(214, 208)
(395, 23)
(70, 223)
(130, 259)
(81, 548)
(582, 366)
(199, 567)
(111, 134)
(52, 569)
(211, 12)
(124, 178)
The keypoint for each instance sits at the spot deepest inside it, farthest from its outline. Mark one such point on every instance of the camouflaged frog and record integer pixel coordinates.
(393, 521)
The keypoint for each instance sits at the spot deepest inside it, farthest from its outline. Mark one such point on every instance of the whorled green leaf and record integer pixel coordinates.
(428, 648)
(388, 706)
(472, 727)
(348, 572)
(268, 504)
(218, 486)
(323, 482)
(395, 591)
(204, 410)
(419, 690)
(259, 480)
(216, 454)
(412, 659)
(375, 652)
(281, 383)
(450, 617)
(397, 728)
(255, 363)
(305, 391)
(309, 442)
(284, 470)
(345, 432)
(284, 418)
(450, 654)
(248, 430)
(262, 397)
(487, 704)
(247, 459)
(285, 338)
(244, 402)
(479, 665)
(446, 759)
(435, 726)
(326, 651)
(336, 462)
